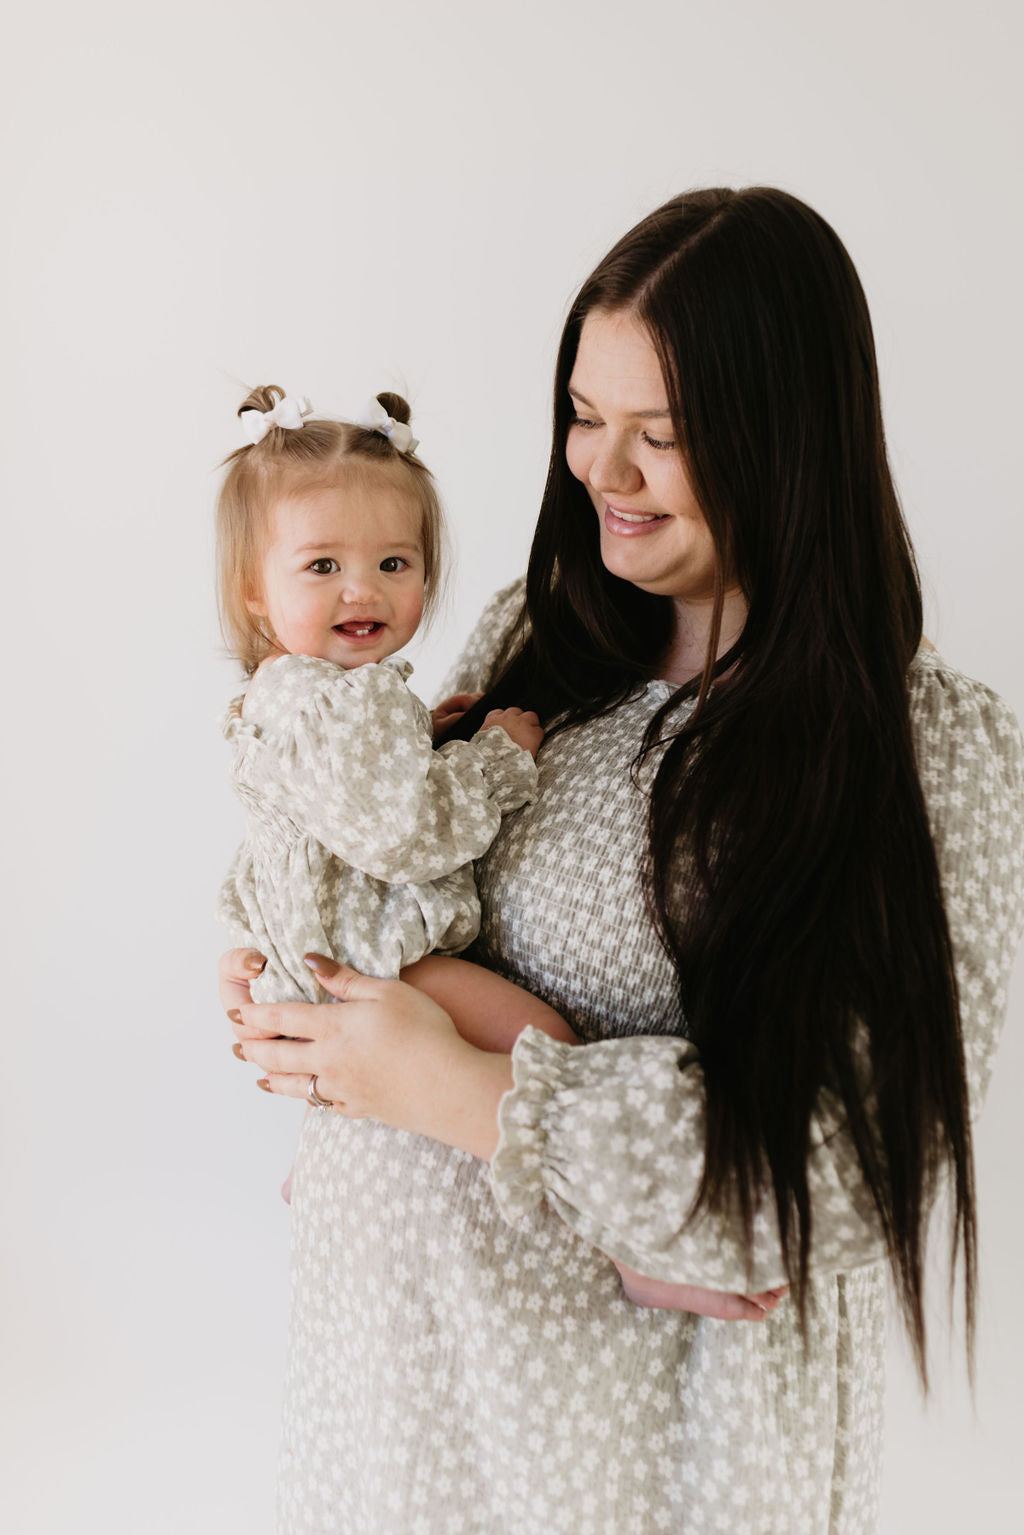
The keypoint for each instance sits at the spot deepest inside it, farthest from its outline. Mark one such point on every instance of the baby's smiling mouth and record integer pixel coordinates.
(358, 628)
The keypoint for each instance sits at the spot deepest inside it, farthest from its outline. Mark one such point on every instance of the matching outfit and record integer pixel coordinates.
(360, 837)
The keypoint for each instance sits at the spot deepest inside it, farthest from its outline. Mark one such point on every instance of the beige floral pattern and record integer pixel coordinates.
(359, 836)
(462, 1358)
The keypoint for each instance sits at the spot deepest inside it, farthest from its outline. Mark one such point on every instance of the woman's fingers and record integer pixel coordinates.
(284, 1086)
(341, 981)
(308, 1020)
(235, 970)
(280, 1057)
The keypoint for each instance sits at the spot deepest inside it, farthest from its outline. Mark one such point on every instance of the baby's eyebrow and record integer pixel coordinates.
(326, 547)
(640, 415)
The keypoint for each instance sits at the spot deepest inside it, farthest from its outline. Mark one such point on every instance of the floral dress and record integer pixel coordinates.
(463, 1360)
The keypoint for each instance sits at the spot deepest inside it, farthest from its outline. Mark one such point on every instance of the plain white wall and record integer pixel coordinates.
(342, 198)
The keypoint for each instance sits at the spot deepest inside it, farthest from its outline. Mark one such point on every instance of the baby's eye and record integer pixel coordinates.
(324, 566)
(393, 564)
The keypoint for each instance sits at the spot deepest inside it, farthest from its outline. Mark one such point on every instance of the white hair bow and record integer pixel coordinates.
(376, 419)
(287, 413)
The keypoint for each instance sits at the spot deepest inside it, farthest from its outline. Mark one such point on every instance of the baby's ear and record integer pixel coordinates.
(255, 604)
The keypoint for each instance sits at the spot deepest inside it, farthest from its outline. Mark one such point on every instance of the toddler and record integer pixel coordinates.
(360, 836)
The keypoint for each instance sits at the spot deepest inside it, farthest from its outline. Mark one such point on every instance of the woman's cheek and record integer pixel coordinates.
(576, 455)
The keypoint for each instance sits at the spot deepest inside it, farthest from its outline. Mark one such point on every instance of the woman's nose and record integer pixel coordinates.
(613, 472)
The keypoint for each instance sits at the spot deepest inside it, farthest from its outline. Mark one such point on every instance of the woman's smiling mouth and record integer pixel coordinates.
(627, 523)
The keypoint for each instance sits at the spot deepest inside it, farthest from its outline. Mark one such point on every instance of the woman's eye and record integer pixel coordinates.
(323, 566)
(582, 421)
(654, 442)
(393, 564)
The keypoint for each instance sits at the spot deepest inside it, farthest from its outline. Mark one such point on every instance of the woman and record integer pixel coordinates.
(773, 878)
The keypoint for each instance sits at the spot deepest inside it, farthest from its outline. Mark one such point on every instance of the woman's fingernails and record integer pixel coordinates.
(320, 964)
(255, 963)
(234, 1015)
(264, 1084)
(236, 1049)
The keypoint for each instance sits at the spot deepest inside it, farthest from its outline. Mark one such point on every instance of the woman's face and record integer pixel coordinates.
(621, 446)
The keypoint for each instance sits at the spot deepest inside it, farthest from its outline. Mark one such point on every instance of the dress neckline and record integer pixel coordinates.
(665, 688)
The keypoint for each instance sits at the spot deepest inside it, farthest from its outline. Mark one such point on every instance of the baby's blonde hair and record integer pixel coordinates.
(285, 462)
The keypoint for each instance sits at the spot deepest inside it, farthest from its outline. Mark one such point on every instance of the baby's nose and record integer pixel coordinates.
(359, 587)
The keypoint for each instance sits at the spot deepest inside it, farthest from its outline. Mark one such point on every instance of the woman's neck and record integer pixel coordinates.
(685, 656)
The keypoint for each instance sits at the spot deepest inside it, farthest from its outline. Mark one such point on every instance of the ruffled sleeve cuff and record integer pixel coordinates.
(517, 1166)
(509, 770)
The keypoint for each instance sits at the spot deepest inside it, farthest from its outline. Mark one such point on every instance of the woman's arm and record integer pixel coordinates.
(611, 1134)
(491, 1013)
(389, 1054)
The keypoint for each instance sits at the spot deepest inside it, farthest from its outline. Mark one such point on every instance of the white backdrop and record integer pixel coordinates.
(344, 198)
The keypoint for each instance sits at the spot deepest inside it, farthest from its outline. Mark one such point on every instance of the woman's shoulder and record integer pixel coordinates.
(950, 702)
(473, 671)
(967, 737)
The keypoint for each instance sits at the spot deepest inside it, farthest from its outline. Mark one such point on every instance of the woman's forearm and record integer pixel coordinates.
(464, 1114)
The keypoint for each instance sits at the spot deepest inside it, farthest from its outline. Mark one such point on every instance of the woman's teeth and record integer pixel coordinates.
(637, 516)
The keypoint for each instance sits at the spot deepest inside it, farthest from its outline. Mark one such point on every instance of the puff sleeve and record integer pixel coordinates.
(611, 1134)
(347, 757)
(473, 671)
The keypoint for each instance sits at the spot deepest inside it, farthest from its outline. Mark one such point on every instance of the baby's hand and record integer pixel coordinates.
(451, 710)
(521, 724)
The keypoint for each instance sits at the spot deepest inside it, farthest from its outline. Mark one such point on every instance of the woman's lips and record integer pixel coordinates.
(624, 525)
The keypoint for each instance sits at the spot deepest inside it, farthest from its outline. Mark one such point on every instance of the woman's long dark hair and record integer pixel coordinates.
(813, 953)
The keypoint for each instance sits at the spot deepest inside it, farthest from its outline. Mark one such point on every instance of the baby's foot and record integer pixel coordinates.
(286, 1189)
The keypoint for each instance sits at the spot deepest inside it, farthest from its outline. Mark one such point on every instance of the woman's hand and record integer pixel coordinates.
(389, 1053)
(392, 1054)
(235, 970)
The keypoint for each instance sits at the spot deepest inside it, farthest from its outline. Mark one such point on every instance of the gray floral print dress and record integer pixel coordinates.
(463, 1360)
(359, 837)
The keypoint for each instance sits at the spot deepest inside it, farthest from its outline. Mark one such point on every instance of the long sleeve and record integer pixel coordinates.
(473, 670)
(347, 757)
(612, 1134)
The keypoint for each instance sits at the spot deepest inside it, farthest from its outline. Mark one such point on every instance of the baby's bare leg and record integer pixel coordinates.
(487, 1010)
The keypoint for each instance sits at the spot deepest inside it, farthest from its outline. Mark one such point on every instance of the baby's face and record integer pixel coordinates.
(342, 572)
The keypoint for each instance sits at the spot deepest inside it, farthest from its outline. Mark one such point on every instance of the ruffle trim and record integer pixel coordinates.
(517, 1166)
(509, 770)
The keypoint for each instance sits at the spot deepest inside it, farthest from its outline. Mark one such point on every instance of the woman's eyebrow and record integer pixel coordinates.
(641, 415)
